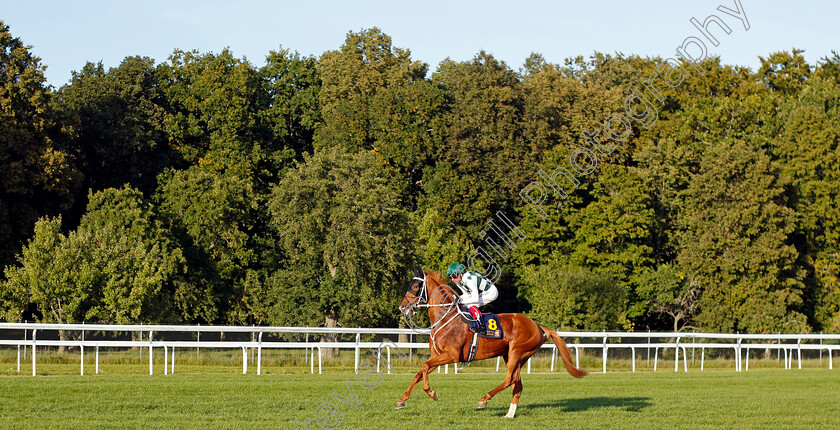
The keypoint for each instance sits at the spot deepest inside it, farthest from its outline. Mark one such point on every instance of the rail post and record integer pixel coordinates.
(677, 355)
(655, 358)
(799, 351)
(244, 360)
(358, 354)
(259, 354)
(34, 342)
(605, 354)
(151, 364)
(747, 367)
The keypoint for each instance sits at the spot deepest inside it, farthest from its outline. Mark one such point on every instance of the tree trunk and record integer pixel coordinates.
(330, 321)
(403, 337)
(136, 336)
(62, 335)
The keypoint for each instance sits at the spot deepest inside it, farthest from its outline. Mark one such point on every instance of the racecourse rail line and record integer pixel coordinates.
(784, 344)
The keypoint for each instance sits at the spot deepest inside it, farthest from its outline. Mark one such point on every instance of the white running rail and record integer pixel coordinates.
(784, 344)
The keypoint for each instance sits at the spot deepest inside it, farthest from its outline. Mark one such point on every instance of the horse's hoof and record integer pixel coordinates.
(434, 395)
(400, 405)
(482, 404)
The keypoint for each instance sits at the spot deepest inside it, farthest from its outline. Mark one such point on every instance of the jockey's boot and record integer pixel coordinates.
(476, 316)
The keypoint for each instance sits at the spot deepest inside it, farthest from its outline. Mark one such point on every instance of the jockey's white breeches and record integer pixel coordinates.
(475, 299)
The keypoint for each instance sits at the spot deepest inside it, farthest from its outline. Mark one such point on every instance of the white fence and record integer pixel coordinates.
(784, 344)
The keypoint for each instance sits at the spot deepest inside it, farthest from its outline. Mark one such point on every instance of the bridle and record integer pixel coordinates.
(421, 300)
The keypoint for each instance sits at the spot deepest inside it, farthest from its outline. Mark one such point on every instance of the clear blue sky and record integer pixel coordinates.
(66, 34)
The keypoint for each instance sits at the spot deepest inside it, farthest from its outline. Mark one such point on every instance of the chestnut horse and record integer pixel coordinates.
(449, 341)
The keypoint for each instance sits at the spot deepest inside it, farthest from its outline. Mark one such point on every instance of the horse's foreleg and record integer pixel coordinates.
(433, 363)
(429, 366)
(407, 394)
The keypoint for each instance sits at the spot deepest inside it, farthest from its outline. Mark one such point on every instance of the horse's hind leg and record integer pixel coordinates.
(517, 390)
(512, 363)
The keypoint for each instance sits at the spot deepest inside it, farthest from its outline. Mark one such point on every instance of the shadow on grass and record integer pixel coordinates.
(629, 404)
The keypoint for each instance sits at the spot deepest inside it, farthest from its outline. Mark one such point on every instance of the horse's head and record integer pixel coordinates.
(415, 294)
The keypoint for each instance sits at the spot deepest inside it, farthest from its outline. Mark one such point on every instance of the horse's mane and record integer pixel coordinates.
(436, 276)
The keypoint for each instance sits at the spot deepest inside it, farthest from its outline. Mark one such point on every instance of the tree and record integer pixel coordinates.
(113, 123)
(347, 243)
(784, 72)
(807, 148)
(134, 261)
(45, 277)
(483, 162)
(293, 113)
(352, 78)
(375, 97)
(117, 267)
(213, 105)
(734, 241)
(666, 291)
(36, 177)
(214, 216)
(574, 298)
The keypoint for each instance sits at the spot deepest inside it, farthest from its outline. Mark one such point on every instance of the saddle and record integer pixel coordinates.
(490, 323)
(491, 328)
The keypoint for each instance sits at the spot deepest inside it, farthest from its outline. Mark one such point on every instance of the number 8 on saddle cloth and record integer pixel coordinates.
(490, 322)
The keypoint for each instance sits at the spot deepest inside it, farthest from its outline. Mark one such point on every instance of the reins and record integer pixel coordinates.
(422, 301)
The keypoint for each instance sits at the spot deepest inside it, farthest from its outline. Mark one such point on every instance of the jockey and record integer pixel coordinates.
(477, 291)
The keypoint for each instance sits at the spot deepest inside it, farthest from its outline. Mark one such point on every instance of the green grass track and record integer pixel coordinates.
(760, 399)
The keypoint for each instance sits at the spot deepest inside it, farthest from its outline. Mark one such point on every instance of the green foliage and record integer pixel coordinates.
(117, 267)
(214, 216)
(36, 177)
(113, 124)
(355, 81)
(213, 105)
(301, 192)
(438, 244)
(784, 71)
(292, 83)
(342, 230)
(733, 241)
(667, 291)
(575, 298)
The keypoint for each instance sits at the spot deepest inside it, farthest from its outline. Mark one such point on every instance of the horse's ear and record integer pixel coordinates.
(418, 272)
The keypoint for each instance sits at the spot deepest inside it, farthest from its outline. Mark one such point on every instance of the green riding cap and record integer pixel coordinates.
(455, 269)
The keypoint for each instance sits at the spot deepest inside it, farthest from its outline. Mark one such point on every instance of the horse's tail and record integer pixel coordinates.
(564, 353)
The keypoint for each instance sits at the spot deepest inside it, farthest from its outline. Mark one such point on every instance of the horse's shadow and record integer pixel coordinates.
(629, 404)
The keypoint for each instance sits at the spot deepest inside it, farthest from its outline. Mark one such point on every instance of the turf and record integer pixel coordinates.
(722, 399)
